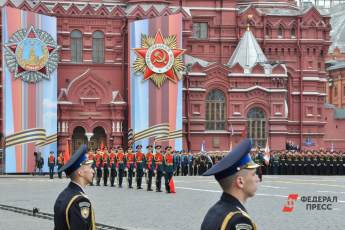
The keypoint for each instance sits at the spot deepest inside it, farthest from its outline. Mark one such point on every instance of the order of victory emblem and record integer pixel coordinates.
(159, 58)
(31, 54)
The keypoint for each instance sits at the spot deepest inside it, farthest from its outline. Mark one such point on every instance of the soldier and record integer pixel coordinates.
(98, 164)
(190, 163)
(112, 165)
(315, 164)
(236, 175)
(59, 163)
(73, 209)
(290, 165)
(139, 165)
(105, 164)
(158, 158)
(322, 164)
(184, 163)
(91, 156)
(177, 160)
(275, 163)
(328, 163)
(334, 161)
(308, 163)
(259, 159)
(51, 164)
(283, 164)
(121, 164)
(195, 163)
(150, 164)
(169, 166)
(130, 165)
(342, 163)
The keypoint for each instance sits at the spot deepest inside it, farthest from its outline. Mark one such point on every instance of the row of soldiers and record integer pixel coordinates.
(117, 163)
(305, 163)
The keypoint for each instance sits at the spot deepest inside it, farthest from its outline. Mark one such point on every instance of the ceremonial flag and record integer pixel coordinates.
(267, 155)
(204, 152)
(155, 80)
(202, 148)
(232, 133)
(67, 154)
(29, 76)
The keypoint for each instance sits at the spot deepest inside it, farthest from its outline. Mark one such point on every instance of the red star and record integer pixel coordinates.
(142, 53)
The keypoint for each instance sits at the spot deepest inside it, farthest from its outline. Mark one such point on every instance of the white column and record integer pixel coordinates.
(113, 126)
(118, 126)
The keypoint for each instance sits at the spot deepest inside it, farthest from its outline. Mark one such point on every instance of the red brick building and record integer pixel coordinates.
(257, 66)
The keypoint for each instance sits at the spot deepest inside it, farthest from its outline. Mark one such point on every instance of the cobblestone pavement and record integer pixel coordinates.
(139, 209)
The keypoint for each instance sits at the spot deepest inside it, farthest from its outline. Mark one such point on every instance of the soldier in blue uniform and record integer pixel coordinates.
(236, 175)
(177, 160)
(184, 164)
(73, 209)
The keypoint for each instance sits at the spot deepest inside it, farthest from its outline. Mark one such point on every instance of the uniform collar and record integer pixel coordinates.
(234, 201)
(77, 186)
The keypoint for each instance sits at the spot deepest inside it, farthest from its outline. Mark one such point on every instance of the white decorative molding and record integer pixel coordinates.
(314, 79)
(195, 89)
(258, 87)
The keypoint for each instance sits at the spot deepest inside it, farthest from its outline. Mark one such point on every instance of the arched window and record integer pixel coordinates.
(268, 32)
(98, 47)
(77, 46)
(293, 32)
(280, 32)
(215, 110)
(256, 128)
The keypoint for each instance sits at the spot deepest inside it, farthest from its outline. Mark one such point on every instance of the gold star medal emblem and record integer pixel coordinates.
(159, 59)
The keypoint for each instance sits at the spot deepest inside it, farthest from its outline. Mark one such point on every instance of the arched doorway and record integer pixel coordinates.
(78, 138)
(256, 127)
(99, 138)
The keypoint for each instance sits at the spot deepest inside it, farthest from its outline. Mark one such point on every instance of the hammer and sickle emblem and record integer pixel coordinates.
(159, 58)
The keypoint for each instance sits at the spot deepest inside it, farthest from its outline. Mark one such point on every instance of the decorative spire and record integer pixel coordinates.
(247, 53)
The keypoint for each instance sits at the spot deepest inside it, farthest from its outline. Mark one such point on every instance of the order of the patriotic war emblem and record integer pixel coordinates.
(31, 54)
(159, 58)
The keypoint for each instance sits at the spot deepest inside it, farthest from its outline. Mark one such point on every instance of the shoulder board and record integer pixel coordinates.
(228, 218)
(69, 206)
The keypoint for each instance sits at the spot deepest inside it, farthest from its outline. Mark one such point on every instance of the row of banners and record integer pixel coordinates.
(30, 84)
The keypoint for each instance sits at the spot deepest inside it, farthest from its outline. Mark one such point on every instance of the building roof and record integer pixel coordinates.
(336, 65)
(188, 59)
(338, 28)
(279, 11)
(247, 53)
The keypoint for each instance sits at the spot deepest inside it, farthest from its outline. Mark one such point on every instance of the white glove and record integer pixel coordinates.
(134, 170)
